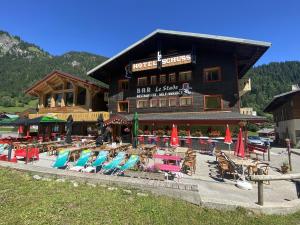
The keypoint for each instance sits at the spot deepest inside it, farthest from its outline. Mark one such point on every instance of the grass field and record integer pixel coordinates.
(31, 104)
(27, 201)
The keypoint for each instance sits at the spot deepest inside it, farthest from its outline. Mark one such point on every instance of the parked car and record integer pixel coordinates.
(255, 140)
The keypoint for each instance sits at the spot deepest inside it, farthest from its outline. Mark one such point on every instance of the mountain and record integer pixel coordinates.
(269, 80)
(23, 63)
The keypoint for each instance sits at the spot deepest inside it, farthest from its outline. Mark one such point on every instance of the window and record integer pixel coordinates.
(185, 76)
(153, 80)
(81, 96)
(213, 102)
(154, 103)
(212, 74)
(69, 98)
(185, 101)
(123, 85)
(163, 102)
(162, 79)
(142, 104)
(48, 100)
(172, 78)
(58, 98)
(142, 81)
(172, 102)
(123, 106)
(69, 85)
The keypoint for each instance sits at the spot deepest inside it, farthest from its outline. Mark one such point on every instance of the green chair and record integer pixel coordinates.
(131, 162)
(114, 163)
(101, 158)
(62, 159)
(82, 161)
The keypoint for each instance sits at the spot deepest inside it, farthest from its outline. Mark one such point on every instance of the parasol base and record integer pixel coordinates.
(242, 184)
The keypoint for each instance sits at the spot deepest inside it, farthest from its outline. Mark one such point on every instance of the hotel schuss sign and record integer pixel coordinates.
(167, 90)
(165, 62)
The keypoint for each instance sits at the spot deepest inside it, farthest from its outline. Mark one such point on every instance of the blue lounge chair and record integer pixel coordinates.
(131, 162)
(101, 158)
(82, 161)
(62, 159)
(114, 163)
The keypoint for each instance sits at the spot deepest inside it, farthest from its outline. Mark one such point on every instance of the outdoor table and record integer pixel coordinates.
(239, 161)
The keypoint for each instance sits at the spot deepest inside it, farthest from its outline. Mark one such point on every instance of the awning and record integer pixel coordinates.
(117, 119)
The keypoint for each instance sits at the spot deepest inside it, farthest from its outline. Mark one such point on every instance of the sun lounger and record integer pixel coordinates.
(62, 159)
(101, 158)
(114, 163)
(131, 162)
(82, 161)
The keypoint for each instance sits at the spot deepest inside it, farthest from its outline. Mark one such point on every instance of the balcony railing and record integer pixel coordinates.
(77, 117)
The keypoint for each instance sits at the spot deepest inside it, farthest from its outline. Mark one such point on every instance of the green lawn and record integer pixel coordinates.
(27, 201)
(31, 104)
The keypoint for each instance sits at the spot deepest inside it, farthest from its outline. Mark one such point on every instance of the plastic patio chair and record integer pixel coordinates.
(131, 162)
(114, 163)
(62, 159)
(101, 158)
(82, 161)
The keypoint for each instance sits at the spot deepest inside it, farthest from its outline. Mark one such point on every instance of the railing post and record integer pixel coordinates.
(288, 142)
(260, 190)
(26, 160)
(269, 154)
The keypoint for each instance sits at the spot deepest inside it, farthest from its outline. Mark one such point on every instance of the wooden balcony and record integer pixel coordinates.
(65, 109)
(244, 86)
(77, 116)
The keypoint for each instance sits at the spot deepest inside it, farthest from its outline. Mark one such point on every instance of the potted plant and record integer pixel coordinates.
(285, 167)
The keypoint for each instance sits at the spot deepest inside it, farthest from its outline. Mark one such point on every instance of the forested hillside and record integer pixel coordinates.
(22, 63)
(269, 80)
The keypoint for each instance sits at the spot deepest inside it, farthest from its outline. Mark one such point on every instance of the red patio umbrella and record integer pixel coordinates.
(174, 137)
(239, 148)
(228, 139)
(21, 129)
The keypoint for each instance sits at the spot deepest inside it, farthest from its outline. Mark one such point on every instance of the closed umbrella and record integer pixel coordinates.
(228, 139)
(239, 148)
(174, 137)
(69, 125)
(135, 129)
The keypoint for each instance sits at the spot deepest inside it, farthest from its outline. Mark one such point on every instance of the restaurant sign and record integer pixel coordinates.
(165, 62)
(166, 90)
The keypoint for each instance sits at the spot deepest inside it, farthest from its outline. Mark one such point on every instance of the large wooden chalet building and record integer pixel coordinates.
(179, 77)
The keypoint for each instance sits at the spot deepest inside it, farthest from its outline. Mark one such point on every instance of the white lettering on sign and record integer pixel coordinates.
(168, 61)
(165, 90)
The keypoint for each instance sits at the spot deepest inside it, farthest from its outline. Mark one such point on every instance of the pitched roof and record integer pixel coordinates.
(88, 80)
(240, 41)
(280, 99)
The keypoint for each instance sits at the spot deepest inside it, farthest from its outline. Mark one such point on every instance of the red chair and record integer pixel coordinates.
(141, 140)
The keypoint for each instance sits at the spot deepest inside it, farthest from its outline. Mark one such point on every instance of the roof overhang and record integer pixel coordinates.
(255, 49)
(279, 100)
(66, 76)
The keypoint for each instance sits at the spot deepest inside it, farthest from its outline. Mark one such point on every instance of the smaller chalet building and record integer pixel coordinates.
(286, 113)
(63, 94)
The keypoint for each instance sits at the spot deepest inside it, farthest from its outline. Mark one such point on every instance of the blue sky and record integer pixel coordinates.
(107, 27)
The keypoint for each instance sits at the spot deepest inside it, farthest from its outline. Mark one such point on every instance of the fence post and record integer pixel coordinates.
(269, 154)
(260, 190)
(288, 142)
(26, 160)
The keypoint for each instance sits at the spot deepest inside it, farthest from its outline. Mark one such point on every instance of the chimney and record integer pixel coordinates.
(295, 87)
